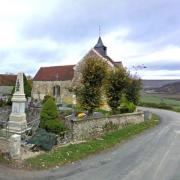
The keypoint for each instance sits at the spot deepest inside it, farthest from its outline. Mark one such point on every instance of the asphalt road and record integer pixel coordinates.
(152, 155)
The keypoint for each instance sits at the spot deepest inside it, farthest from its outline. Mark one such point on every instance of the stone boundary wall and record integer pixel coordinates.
(84, 129)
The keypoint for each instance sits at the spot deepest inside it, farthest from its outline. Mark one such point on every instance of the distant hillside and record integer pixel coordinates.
(172, 88)
(151, 84)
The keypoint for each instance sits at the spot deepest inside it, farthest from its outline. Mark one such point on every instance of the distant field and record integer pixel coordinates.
(163, 94)
(158, 99)
(151, 100)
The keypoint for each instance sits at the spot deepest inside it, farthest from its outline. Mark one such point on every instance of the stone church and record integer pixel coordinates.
(56, 80)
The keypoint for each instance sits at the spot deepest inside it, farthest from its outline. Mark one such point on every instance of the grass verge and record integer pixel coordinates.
(75, 152)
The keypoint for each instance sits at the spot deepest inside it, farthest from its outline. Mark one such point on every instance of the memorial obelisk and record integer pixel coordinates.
(17, 120)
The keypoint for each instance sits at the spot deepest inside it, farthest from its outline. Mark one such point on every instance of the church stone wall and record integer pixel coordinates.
(42, 88)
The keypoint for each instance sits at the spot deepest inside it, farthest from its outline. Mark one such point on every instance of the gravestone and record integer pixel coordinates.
(17, 120)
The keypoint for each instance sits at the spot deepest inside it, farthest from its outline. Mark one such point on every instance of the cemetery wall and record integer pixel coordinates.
(90, 128)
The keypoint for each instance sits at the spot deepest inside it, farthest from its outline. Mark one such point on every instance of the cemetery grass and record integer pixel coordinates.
(75, 152)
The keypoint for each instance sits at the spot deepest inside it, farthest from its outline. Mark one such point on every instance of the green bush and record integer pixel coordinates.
(56, 127)
(49, 117)
(116, 84)
(46, 97)
(126, 106)
(44, 139)
(132, 92)
(89, 92)
(27, 87)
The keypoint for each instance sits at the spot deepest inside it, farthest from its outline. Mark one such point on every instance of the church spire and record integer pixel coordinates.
(100, 47)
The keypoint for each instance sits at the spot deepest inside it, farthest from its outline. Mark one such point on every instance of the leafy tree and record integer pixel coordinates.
(89, 92)
(27, 87)
(133, 90)
(116, 83)
(49, 117)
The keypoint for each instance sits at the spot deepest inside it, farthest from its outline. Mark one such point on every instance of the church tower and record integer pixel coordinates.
(100, 48)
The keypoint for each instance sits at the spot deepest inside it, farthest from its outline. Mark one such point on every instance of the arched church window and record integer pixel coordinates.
(56, 91)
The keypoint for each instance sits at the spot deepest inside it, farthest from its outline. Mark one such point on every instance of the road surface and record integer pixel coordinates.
(152, 155)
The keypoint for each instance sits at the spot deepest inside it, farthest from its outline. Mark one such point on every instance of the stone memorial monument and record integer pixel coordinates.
(17, 120)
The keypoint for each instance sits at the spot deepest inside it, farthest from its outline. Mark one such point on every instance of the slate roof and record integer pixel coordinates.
(102, 50)
(7, 80)
(55, 73)
(99, 43)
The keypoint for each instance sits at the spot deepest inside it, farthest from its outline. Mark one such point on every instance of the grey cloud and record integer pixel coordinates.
(166, 65)
(77, 20)
(42, 55)
(17, 60)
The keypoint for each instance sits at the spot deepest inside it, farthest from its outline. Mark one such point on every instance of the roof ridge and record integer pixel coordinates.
(56, 66)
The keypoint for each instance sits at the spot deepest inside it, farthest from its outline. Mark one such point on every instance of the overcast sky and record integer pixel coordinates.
(35, 33)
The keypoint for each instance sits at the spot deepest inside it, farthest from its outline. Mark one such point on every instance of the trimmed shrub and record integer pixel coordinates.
(46, 97)
(116, 83)
(132, 92)
(49, 117)
(89, 92)
(56, 127)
